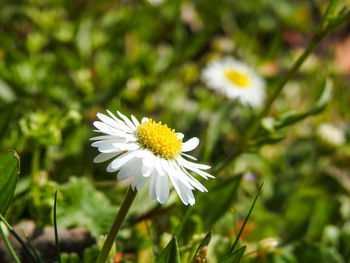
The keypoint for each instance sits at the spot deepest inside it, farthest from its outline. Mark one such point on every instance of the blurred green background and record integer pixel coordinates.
(63, 61)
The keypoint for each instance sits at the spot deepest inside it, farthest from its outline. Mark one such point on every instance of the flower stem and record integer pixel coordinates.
(322, 32)
(130, 196)
(315, 41)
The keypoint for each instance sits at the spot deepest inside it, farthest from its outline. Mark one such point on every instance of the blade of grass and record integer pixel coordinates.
(246, 219)
(58, 250)
(8, 245)
(19, 239)
(32, 247)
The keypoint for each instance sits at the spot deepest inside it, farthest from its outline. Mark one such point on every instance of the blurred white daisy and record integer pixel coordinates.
(149, 150)
(331, 135)
(235, 80)
(268, 245)
(155, 2)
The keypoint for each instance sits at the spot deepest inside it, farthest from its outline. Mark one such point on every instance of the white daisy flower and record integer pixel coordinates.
(235, 80)
(149, 150)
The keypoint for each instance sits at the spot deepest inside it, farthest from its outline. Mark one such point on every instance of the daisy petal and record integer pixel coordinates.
(192, 164)
(131, 168)
(127, 121)
(162, 189)
(104, 157)
(121, 160)
(180, 135)
(135, 121)
(103, 137)
(190, 144)
(152, 187)
(189, 156)
(126, 146)
(138, 182)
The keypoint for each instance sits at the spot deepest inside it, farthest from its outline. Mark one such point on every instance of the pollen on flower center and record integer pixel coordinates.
(237, 78)
(159, 139)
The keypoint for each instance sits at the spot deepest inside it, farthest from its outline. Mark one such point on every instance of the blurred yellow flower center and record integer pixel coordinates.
(159, 139)
(237, 78)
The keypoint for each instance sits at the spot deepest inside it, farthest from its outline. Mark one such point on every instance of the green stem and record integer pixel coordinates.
(9, 246)
(314, 42)
(317, 38)
(130, 196)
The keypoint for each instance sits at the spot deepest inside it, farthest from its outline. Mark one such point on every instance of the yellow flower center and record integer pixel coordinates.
(159, 139)
(238, 78)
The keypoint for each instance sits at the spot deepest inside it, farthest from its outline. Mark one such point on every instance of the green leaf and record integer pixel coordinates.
(9, 174)
(80, 204)
(293, 117)
(270, 139)
(235, 257)
(170, 254)
(220, 199)
(203, 243)
(320, 105)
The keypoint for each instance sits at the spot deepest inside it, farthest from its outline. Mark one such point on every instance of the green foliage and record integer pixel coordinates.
(63, 61)
(235, 256)
(215, 128)
(41, 202)
(9, 174)
(307, 252)
(80, 204)
(274, 125)
(202, 244)
(90, 256)
(44, 128)
(170, 254)
(223, 193)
